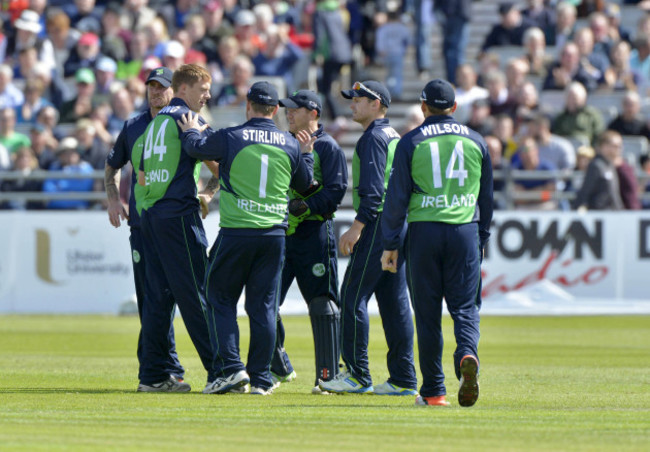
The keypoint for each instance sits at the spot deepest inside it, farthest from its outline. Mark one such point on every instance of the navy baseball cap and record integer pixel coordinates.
(263, 93)
(439, 94)
(303, 98)
(370, 89)
(162, 75)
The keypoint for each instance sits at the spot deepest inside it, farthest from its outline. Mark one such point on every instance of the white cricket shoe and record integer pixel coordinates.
(316, 390)
(344, 382)
(172, 384)
(261, 391)
(394, 390)
(278, 379)
(221, 385)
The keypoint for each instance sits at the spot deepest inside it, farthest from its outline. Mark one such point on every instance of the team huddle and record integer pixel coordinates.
(279, 193)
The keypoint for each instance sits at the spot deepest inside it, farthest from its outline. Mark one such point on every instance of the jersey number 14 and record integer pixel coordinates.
(451, 172)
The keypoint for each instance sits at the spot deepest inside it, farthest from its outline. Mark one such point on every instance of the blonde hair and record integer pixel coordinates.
(189, 74)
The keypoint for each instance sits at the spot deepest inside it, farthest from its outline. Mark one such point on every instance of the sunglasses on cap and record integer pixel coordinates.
(358, 86)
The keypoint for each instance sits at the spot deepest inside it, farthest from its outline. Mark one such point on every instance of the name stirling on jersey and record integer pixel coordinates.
(390, 132)
(442, 201)
(264, 136)
(441, 129)
(253, 206)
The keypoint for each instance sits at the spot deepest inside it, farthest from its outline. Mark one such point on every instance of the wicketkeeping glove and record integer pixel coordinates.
(298, 211)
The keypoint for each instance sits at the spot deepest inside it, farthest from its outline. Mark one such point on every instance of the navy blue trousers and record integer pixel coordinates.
(173, 365)
(175, 253)
(442, 260)
(311, 260)
(253, 262)
(363, 277)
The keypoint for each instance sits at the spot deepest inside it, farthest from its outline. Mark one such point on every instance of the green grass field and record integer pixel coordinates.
(547, 384)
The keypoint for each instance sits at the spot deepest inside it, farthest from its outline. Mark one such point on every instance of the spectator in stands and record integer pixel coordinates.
(28, 27)
(279, 56)
(620, 75)
(27, 60)
(332, 50)
(90, 147)
(540, 15)
(480, 118)
(413, 118)
(191, 55)
(535, 52)
(528, 159)
(584, 156)
(234, 93)
(467, 92)
(200, 41)
(487, 62)
(569, 68)
(594, 62)
(137, 14)
(105, 71)
(628, 184)
(138, 91)
(640, 60)
(527, 102)
(9, 138)
(516, 72)
(391, 43)
(34, 101)
(173, 55)
(132, 65)
(454, 18)
(249, 41)
(82, 105)
(630, 121)
(121, 110)
(84, 55)
(157, 37)
(495, 148)
(24, 162)
(62, 36)
(44, 145)
(264, 18)
(565, 25)
(578, 120)
(552, 148)
(10, 95)
(114, 36)
(508, 32)
(603, 39)
(69, 162)
(222, 71)
(84, 16)
(504, 130)
(216, 28)
(600, 188)
(616, 31)
(501, 100)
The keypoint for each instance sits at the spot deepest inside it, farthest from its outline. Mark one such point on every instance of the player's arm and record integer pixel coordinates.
(212, 186)
(116, 160)
(398, 195)
(485, 198)
(304, 174)
(372, 166)
(201, 146)
(335, 180)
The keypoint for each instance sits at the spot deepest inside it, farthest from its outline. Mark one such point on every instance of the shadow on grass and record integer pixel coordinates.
(65, 390)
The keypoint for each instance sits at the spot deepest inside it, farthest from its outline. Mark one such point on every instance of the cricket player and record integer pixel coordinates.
(159, 93)
(371, 167)
(258, 165)
(442, 178)
(174, 240)
(310, 245)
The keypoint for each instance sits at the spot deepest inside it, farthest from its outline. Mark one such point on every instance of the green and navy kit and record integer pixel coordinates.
(371, 167)
(170, 174)
(121, 154)
(442, 172)
(331, 173)
(258, 163)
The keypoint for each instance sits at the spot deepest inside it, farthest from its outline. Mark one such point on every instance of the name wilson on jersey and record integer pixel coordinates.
(440, 129)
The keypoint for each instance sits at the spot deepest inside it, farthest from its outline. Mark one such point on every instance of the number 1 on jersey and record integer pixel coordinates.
(264, 175)
(450, 172)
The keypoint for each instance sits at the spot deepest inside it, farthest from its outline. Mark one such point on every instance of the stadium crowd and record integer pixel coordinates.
(549, 79)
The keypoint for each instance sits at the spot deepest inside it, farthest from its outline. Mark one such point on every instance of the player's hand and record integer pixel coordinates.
(298, 211)
(204, 200)
(190, 120)
(116, 213)
(350, 238)
(389, 261)
(306, 141)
